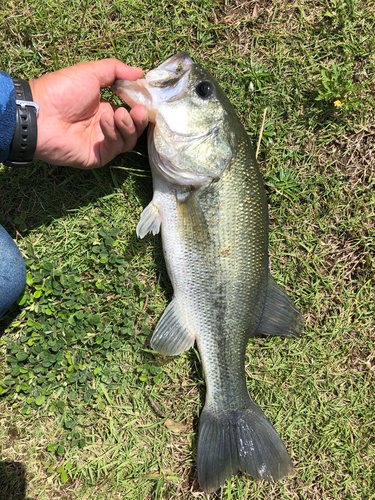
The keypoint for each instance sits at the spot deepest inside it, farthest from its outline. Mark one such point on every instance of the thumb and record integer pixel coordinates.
(109, 70)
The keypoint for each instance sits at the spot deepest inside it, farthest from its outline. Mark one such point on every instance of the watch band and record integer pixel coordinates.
(25, 135)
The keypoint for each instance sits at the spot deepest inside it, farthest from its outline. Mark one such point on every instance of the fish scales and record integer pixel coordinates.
(225, 278)
(210, 205)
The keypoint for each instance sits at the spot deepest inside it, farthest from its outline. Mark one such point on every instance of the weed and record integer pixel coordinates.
(336, 86)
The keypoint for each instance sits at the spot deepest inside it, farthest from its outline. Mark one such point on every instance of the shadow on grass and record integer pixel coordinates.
(8, 319)
(38, 195)
(13, 481)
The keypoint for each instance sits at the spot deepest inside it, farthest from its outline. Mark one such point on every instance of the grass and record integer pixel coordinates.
(93, 413)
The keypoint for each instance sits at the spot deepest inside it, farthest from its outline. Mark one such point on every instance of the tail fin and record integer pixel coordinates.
(242, 439)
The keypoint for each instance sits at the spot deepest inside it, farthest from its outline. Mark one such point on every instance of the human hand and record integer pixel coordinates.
(76, 127)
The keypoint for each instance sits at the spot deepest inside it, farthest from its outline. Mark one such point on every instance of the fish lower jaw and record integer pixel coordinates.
(134, 93)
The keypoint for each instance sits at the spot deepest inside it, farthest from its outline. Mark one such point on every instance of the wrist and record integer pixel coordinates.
(46, 149)
(24, 141)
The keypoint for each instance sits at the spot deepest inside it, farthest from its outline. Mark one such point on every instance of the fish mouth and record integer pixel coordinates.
(170, 72)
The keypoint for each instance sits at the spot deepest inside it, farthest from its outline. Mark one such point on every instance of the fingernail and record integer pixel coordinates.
(111, 121)
(145, 117)
(128, 122)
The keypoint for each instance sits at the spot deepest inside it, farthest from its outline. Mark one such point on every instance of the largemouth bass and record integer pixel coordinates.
(210, 205)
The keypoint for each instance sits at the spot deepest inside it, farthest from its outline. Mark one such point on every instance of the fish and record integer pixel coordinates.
(209, 203)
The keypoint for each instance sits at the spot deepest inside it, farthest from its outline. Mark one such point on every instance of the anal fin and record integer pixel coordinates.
(280, 315)
(150, 221)
(171, 337)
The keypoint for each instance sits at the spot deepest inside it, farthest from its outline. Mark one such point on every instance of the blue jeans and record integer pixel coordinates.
(12, 272)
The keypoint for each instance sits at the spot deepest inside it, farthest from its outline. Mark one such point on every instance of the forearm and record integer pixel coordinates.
(23, 136)
(7, 114)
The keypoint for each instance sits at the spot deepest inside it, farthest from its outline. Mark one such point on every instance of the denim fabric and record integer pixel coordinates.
(8, 114)
(12, 272)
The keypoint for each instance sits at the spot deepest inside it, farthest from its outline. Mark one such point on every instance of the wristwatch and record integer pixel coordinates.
(25, 135)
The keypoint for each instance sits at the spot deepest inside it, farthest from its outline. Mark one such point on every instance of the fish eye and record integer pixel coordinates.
(203, 89)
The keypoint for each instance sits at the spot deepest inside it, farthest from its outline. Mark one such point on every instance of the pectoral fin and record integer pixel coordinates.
(191, 222)
(280, 315)
(171, 336)
(150, 221)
